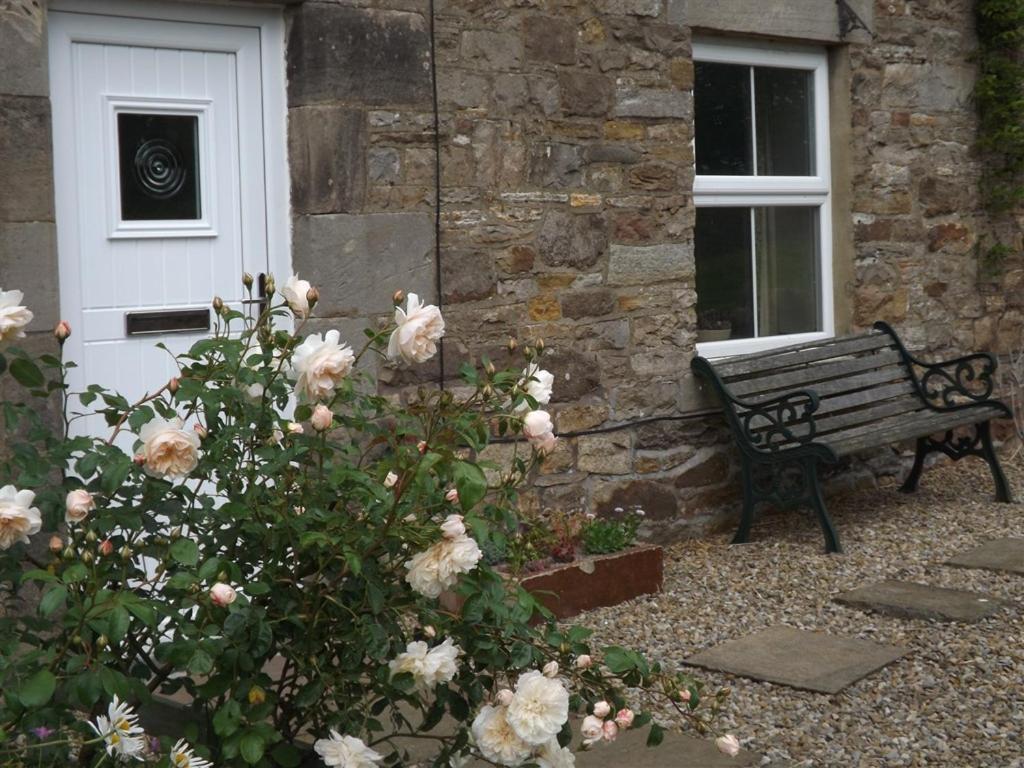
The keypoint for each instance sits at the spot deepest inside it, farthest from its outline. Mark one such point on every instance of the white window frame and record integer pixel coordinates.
(746, 191)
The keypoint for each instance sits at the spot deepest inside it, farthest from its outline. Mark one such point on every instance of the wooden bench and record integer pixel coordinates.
(794, 409)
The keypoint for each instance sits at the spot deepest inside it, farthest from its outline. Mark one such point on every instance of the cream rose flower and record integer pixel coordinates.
(495, 738)
(624, 718)
(294, 292)
(540, 431)
(453, 527)
(602, 709)
(538, 384)
(439, 567)
(222, 595)
(419, 328)
(170, 452)
(322, 418)
(13, 316)
(319, 365)
(18, 518)
(591, 730)
(428, 667)
(77, 506)
(552, 755)
(728, 745)
(346, 752)
(610, 730)
(539, 708)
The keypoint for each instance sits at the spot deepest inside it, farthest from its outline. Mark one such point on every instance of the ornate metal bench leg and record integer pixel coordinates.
(747, 516)
(910, 484)
(989, 454)
(818, 502)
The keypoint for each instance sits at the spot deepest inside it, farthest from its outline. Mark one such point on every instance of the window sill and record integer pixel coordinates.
(733, 347)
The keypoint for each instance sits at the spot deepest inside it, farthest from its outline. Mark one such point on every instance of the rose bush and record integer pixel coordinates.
(284, 579)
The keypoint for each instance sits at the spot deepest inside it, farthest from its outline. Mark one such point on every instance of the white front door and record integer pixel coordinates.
(162, 185)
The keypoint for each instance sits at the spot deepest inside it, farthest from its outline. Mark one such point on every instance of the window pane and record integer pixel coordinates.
(724, 285)
(159, 166)
(722, 116)
(788, 271)
(784, 106)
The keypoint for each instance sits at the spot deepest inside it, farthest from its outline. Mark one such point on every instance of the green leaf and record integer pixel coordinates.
(470, 483)
(201, 662)
(118, 625)
(3, 364)
(185, 551)
(225, 721)
(114, 473)
(76, 572)
(655, 735)
(27, 374)
(142, 612)
(256, 588)
(286, 756)
(251, 747)
(53, 600)
(38, 689)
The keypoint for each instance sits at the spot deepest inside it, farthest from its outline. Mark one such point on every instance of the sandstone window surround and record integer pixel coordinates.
(763, 196)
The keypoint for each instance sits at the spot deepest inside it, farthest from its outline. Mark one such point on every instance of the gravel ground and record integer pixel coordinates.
(955, 701)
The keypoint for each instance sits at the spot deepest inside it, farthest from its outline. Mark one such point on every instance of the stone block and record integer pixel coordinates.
(490, 50)
(555, 164)
(811, 661)
(800, 19)
(655, 177)
(590, 303)
(927, 87)
(461, 89)
(997, 555)
(629, 7)
(633, 265)
(574, 240)
(709, 466)
(907, 600)
(383, 165)
(574, 418)
(467, 275)
(327, 155)
(604, 454)
(28, 263)
(611, 153)
(630, 750)
(653, 102)
(23, 54)
(358, 55)
(359, 261)
(576, 374)
(584, 93)
(549, 39)
(26, 148)
(656, 500)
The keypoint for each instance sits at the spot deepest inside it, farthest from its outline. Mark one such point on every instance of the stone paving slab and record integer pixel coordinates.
(630, 751)
(812, 661)
(997, 555)
(909, 600)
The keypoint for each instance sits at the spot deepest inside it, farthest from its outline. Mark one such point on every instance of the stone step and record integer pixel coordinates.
(909, 600)
(997, 555)
(812, 661)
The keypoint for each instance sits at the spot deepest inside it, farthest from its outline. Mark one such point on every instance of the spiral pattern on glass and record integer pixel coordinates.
(158, 168)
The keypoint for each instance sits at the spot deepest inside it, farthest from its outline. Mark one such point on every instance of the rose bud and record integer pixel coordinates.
(584, 661)
(222, 595)
(294, 428)
(256, 695)
(322, 418)
(390, 480)
(398, 297)
(452, 496)
(218, 304)
(56, 545)
(429, 631)
(504, 697)
(728, 745)
(125, 552)
(540, 345)
(269, 286)
(77, 506)
(602, 709)
(102, 642)
(551, 669)
(685, 695)
(247, 280)
(624, 718)
(62, 331)
(106, 548)
(139, 459)
(87, 557)
(610, 730)
(312, 296)
(512, 344)
(421, 446)
(200, 430)
(489, 368)
(173, 385)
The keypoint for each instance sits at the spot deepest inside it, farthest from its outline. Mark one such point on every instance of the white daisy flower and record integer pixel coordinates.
(121, 731)
(182, 757)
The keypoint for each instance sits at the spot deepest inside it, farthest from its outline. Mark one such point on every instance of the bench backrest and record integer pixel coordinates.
(858, 380)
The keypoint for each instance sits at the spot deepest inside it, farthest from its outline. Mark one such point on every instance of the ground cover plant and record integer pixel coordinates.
(269, 535)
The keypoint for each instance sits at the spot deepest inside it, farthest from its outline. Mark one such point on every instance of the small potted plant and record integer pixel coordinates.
(712, 325)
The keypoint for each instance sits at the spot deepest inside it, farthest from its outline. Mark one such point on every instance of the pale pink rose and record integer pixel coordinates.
(294, 428)
(624, 718)
(56, 544)
(13, 316)
(592, 730)
(504, 697)
(610, 731)
(295, 292)
(169, 450)
(390, 480)
(419, 328)
(539, 430)
(222, 595)
(319, 365)
(106, 547)
(322, 418)
(685, 694)
(77, 506)
(452, 496)
(584, 661)
(551, 669)
(728, 745)
(602, 709)
(453, 527)
(62, 331)
(547, 444)
(421, 446)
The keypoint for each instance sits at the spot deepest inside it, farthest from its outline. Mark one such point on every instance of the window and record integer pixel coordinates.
(159, 166)
(763, 237)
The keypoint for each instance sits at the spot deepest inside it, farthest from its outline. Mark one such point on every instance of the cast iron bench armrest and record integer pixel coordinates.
(946, 384)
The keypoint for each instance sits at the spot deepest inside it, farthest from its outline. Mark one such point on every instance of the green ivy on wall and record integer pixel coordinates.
(1000, 101)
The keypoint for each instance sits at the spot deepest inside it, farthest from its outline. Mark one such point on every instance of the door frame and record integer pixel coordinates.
(269, 22)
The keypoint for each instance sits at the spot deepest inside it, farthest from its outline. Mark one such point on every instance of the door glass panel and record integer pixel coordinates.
(788, 283)
(785, 121)
(722, 108)
(159, 166)
(724, 283)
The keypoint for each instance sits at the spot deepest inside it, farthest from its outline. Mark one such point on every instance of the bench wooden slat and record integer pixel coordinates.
(833, 422)
(806, 377)
(799, 354)
(907, 429)
(835, 387)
